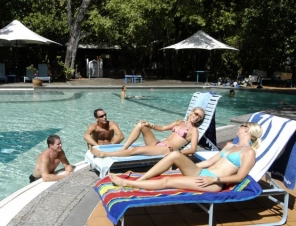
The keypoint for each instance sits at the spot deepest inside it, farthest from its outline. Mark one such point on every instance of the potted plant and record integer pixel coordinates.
(32, 72)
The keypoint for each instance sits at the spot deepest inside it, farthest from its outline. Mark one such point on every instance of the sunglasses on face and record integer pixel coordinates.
(196, 114)
(244, 126)
(101, 116)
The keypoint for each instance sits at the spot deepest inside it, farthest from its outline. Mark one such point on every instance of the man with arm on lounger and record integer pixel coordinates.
(103, 131)
(48, 161)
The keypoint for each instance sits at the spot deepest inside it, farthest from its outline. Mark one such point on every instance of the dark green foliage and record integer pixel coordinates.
(263, 31)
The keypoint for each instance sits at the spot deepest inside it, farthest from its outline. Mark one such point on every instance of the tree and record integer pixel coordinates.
(75, 20)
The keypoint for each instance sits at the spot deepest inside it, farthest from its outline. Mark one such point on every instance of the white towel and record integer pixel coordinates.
(277, 132)
(103, 165)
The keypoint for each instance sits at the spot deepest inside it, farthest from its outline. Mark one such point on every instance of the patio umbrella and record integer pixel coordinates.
(200, 40)
(17, 34)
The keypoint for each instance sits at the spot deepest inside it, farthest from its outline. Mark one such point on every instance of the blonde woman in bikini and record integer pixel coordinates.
(231, 165)
(183, 132)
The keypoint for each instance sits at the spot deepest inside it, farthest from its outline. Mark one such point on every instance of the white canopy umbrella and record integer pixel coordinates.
(200, 40)
(17, 34)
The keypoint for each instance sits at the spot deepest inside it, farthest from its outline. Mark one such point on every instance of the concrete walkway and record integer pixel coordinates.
(112, 83)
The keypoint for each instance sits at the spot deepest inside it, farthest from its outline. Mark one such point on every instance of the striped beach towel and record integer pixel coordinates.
(117, 200)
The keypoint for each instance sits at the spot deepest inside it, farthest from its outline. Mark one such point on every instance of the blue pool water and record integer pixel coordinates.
(28, 117)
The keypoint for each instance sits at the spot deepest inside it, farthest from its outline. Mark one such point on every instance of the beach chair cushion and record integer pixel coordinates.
(117, 200)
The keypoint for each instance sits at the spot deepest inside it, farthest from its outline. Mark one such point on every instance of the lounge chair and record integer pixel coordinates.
(43, 72)
(278, 138)
(2, 72)
(206, 100)
(29, 75)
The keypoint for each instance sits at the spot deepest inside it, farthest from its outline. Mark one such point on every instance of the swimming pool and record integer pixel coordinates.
(28, 117)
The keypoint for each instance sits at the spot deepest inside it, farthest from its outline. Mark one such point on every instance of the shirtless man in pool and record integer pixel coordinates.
(103, 131)
(48, 161)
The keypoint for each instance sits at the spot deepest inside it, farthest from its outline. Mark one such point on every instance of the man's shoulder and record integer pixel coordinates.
(44, 154)
(112, 123)
(93, 125)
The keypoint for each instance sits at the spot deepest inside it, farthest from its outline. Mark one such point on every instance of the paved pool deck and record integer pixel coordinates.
(72, 201)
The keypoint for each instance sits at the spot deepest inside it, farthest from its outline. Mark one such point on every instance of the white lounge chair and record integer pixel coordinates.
(43, 72)
(2, 72)
(278, 139)
(206, 100)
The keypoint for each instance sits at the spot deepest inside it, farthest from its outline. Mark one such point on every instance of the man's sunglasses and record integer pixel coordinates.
(101, 116)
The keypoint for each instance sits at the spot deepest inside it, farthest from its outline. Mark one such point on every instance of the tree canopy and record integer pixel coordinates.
(264, 32)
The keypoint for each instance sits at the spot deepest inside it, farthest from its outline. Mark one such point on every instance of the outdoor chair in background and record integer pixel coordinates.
(262, 76)
(133, 76)
(138, 77)
(253, 79)
(282, 79)
(128, 74)
(286, 79)
(2, 72)
(29, 75)
(43, 72)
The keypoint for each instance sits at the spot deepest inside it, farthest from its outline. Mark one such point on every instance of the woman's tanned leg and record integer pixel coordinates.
(185, 165)
(149, 137)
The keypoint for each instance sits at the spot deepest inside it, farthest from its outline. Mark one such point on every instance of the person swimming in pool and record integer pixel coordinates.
(231, 165)
(48, 161)
(124, 96)
(123, 92)
(183, 132)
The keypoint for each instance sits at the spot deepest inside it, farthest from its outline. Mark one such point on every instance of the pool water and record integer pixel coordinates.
(28, 117)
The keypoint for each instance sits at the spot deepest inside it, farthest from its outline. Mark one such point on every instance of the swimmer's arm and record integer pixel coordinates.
(88, 135)
(66, 163)
(46, 175)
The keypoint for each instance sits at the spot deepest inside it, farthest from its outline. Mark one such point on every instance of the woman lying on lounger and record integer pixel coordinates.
(231, 165)
(183, 132)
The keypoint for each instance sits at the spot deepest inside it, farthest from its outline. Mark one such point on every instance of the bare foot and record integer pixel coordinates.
(97, 153)
(117, 180)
